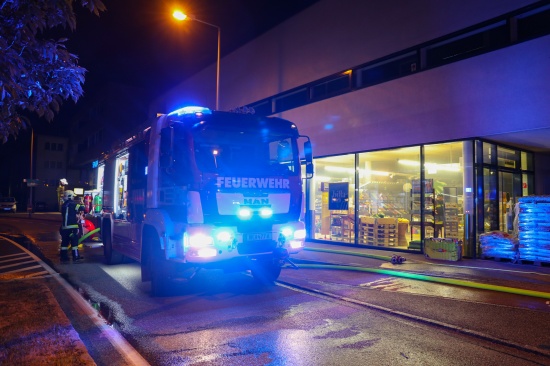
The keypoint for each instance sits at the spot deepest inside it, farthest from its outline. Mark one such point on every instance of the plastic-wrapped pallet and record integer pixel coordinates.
(498, 244)
(533, 223)
(446, 249)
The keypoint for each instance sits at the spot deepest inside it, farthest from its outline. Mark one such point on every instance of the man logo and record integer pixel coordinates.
(256, 201)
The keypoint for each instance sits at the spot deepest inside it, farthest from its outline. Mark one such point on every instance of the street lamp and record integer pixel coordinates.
(29, 204)
(179, 15)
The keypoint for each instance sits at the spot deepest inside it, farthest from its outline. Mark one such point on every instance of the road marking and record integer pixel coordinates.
(16, 264)
(27, 267)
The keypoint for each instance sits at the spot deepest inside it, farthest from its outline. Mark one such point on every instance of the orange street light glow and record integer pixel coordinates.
(179, 15)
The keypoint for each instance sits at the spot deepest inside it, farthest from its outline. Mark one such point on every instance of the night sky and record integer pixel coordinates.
(138, 43)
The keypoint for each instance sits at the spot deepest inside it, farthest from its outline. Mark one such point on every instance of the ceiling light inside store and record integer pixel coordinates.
(432, 167)
(339, 169)
(362, 172)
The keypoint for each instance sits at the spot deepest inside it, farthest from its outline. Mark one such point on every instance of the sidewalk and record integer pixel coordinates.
(30, 335)
(34, 330)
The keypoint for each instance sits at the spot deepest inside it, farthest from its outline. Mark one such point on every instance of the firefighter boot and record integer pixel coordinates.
(76, 256)
(63, 256)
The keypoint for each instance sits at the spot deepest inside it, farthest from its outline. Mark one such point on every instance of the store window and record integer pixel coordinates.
(506, 175)
(385, 197)
(444, 168)
(489, 153)
(528, 182)
(334, 186)
(526, 161)
(508, 158)
(490, 200)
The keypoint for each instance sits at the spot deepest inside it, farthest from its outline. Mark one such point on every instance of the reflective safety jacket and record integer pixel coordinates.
(69, 212)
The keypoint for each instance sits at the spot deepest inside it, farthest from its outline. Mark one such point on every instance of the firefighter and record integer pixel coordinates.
(71, 212)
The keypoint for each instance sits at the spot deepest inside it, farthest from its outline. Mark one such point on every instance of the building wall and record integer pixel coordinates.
(502, 91)
(49, 167)
(499, 92)
(327, 38)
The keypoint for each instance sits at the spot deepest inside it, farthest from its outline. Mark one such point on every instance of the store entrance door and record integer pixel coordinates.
(510, 191)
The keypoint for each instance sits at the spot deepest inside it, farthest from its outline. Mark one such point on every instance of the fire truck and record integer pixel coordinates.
(206, 189)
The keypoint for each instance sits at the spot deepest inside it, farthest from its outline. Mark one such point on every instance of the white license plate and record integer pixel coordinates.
(257, 236)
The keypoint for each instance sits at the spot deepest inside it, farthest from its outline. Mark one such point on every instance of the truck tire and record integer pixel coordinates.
(160, 270)
(265, 270)
(111, 255)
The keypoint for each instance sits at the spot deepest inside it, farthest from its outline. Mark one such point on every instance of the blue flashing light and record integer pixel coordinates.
(191, 110)
(225, 236)
(287, 231)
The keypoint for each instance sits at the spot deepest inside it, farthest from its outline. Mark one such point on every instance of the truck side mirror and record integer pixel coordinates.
(308, 154)
(309, 170)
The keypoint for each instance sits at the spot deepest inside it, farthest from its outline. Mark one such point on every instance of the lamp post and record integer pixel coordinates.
(29, 205)
(179, 15)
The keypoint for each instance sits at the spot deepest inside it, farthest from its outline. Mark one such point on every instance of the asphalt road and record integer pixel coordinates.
(317, 317)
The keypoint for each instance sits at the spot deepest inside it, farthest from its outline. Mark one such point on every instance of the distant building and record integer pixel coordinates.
(50, 165)
(102, 119)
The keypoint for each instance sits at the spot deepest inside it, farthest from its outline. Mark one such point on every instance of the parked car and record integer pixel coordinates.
(8, 204)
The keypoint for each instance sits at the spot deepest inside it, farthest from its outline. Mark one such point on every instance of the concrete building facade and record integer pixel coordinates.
(395, 95)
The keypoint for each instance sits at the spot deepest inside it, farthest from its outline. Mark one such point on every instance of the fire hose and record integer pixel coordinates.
(416, 276)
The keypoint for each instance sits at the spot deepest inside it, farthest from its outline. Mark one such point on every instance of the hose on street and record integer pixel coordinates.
(420, 277)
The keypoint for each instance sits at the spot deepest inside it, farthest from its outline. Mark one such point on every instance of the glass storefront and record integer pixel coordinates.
(394, 199)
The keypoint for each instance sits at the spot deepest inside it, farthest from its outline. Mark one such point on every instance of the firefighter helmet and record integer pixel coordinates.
(68, 195)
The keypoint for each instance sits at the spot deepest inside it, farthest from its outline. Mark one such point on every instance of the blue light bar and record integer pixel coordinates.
(190, 110)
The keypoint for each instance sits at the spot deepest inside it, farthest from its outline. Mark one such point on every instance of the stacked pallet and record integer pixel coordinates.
(533, 225)
(378, 231)
(498, 245)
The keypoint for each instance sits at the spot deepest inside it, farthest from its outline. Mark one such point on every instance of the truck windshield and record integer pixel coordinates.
(233, 152)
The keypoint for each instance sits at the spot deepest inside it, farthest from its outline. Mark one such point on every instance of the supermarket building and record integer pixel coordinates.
(404, 101)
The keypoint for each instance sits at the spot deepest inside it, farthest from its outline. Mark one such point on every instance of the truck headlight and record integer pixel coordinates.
(244, 213)
(206, 252)
(266, 212)
(293, 237)
(200, 240)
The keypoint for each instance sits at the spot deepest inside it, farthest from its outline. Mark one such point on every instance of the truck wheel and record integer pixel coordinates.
(160, 270)
(111, 255)
(266, 271)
